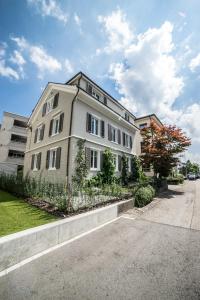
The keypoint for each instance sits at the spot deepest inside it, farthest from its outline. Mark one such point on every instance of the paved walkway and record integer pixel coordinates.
(150, 257)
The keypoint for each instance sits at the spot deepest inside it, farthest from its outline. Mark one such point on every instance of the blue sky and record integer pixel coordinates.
(144, 53)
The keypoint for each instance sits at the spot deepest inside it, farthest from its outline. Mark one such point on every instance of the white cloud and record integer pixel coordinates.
(148, 79)
(38, 55)
(49, 8)
(17, 59)
(182, 14)
(7, 71)
(68, 66)
(77, 19)
(195, 63)
(118, 31)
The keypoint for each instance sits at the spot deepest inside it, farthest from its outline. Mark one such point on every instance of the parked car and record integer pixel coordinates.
(191, 176)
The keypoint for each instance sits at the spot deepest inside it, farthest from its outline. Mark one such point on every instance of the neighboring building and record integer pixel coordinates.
(141, 123)
(13, 137)
(68, 112)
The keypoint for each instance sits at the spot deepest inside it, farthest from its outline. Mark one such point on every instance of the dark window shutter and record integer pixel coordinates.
(61, 122)
(47, 159)
(32, 161)
(88, 157)
(39, 160)
(44, 109)
(119, 163)
(119, 136)
(55, 100)
(101, 160)
(105, 100)
(102, 128)
(88, 122)
(42, 132)
(132, 165)
(109, 132)
(123, 137)
(131, 142)
(36, 134)
(50, 127)
(89, 89)
(58, 157)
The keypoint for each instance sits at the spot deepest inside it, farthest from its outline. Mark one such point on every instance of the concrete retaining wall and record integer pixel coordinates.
(17, 247)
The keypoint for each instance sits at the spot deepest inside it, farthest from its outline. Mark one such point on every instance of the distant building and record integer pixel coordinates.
(13, 137)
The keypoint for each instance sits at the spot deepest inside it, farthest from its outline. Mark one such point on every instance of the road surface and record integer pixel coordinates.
(154, 256)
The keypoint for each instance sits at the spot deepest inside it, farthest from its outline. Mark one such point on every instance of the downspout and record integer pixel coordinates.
(70, 128)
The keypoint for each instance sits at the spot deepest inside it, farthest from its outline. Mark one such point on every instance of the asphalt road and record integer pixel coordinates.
(151, 257)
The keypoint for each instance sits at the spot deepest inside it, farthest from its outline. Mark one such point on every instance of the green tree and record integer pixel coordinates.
(108, 167)
(124, 174)
(135, 168)
(81, 169)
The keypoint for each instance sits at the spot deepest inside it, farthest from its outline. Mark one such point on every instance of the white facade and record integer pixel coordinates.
(13, 136)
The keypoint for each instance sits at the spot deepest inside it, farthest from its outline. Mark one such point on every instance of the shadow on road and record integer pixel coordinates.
(170, 194)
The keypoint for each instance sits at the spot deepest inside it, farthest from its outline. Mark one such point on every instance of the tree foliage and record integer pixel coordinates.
(108, 167)
(161, 146)
(81, 169)
(124, 174)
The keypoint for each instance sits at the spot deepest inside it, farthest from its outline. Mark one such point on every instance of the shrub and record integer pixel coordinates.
(108, 167)
(179, 178)
(144, 195)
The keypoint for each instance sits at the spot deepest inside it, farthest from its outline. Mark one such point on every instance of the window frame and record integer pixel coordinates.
(56, 120)
(92, 168)
(98, 126)
(35, 161)
(52, 150)
(128, 139)
(49, 102)
(115, 156)
(112, 127)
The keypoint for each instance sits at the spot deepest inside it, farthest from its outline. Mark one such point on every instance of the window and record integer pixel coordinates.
(127, 118)
(115, 162)
(50, 104)
(94, 125)
(126, 140)
(20, 123)
(36, 161)
(143, 125)
(129, 164)
(39, 133)
(94, 159)
(18, 138)
(55, 128)
(113, 134)
(15, 154)
(56, 125)
(95, 94)
(53, 158)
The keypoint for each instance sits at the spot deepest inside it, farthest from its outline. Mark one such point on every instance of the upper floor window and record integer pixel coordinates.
(56, 125)
(113, 134)
(94, 125)
(127, 117)
(50, 104)
(127, 140)
(18, 138)
(143, 125)
(95, 94)
(39, 133)
(15, 154)
(20, 123)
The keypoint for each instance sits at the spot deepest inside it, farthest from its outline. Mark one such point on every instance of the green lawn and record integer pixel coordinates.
(16, 215)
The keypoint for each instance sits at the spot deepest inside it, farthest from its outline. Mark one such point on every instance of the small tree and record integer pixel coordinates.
(81, 169)
(124, 175)
(161, 146)
(108, 167)
(135, 168)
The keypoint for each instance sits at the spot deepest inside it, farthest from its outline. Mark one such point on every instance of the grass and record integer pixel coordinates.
(17, 215)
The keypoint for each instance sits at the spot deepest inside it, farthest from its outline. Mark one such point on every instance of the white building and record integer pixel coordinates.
(13, 137)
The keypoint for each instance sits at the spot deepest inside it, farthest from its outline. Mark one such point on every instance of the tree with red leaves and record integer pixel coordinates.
(161, 146)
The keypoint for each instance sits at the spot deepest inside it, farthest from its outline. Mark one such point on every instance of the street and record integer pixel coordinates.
(151, 255)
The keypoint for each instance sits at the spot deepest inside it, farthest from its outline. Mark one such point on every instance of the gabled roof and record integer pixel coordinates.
(149, 116)
(81, 74)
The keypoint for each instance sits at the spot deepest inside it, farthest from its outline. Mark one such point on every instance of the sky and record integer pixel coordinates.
(146, 54)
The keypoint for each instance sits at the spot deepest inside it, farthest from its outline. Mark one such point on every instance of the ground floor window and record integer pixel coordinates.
(115, 162)
(94, 159)
(52, 159)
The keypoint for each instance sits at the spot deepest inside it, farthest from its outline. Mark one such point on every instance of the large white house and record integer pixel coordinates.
(79, 109)
(12, 142)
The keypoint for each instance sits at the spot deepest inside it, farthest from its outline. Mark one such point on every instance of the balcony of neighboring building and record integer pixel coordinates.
(15, 157)
(19, 126)
(18, 142)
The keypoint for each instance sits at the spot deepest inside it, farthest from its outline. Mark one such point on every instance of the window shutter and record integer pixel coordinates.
(39, 160)
(55, 100)
(101, 160)
(61, 122)
(119, 163)
(44, 109)
(36, 134)
(109, 132)
(32, 161)
(89, 89)
(119, 136)
(131, 142)
(50, 127)
(88, 122)
(88, 157)
(105, 100)
(132, 165)
(42, 132)
(123, 137)
(47, 159)
(102, 128)
(58, 156)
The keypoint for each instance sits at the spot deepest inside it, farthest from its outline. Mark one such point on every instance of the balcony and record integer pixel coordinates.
(15, 156)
